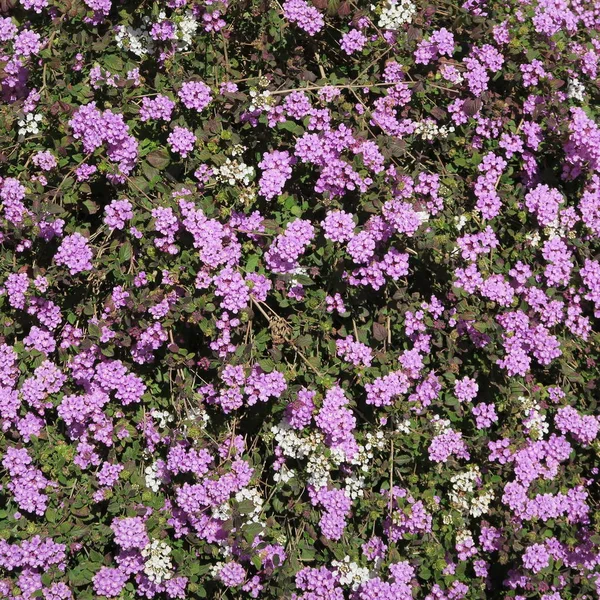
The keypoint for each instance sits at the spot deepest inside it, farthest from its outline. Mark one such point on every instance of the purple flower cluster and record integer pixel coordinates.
(277, 169)
(74, 253)
(303, 14)
(195, 95)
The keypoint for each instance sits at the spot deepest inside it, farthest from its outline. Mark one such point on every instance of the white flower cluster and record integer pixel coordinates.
(349, 573)
(247, 195)
(222, 513)
(423, 215)
(298, 271)
(354, 486)
(533, 238)
(463, 490)
(233, 172)
(375, 441)
(463, 484)
(395, 13)
(576, 90)
(186, 29)
(153, 480)
(237, 150)
(460, 221)
(447, 518)
(292, 444)
(135, 39)
(253, 495)
(428, 129)
(480, 505)
(319, 465)
(30, 124)
(535, 422)
(261, 100)
(164, 417)
(403, 427)
(198, 413)
(318, 468)
(158, 566)
(283, 475)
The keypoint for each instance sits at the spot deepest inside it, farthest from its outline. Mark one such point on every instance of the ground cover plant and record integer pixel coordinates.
(299, 299)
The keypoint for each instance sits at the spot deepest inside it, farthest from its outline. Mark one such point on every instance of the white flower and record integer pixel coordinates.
(534, 238)
(395, 13)
(234, 172)
(283, 475)
(481, 504)
(261, 100)
(186, 29)
(163, 416)
(576, 90)
(403, 427)
(136, 40)
(423, 215)
(30, 124)
(354, 486)
(253, 495)
(460, 222)
(350, 573)
(429, 130)
(222, 513)
(153, 481)
(158, 566)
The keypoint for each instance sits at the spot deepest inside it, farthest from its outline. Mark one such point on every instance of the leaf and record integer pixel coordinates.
(379, 332)
(303, 279)
(159, 158)
(304, 341)
(92, 207)
(7, 5)
(113, 63)
(472, 106)
(251, 531)
(126, 252)
(149, 171)
(267, 365)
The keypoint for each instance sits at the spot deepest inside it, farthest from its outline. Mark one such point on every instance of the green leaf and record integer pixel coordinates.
(125, 252)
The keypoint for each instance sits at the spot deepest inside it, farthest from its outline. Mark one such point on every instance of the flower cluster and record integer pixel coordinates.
(300, 299)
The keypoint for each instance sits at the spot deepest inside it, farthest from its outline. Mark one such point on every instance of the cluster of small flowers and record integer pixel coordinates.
(136, 40)
(234, 172)
(283, 255)
(355, 352)
(95, 128)
(74, 253)
(429, 130)
(393, 14)
(349, 573)
(195, 95)
(353, 41)
(30, 124)
(117, 213)
(158, 565)
(260, 101)
(303, 14)
(181, 140)
(157, 108)
(27, 482)
(277, 169)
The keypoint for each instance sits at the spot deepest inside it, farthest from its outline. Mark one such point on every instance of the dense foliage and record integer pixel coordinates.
(299, 299)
